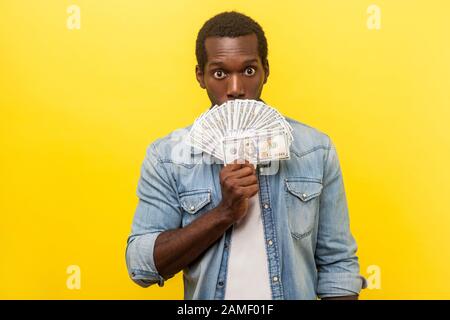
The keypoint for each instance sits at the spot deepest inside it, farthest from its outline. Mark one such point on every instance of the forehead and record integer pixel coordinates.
(225, 49)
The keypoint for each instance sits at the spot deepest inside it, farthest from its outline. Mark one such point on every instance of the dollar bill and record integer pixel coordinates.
(273, 146)
(240, 149)
(269, 146)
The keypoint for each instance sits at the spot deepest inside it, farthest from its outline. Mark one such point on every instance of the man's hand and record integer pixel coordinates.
(238, 183)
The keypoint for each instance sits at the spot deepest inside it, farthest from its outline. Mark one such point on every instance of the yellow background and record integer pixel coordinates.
(79, 107)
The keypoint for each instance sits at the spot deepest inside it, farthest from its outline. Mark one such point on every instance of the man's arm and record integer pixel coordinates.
(158, 247)
(176, 249)
(336, 260)
(157, 211)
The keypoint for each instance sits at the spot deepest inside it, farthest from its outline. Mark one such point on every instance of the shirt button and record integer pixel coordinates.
(266, 206)
(270, 242)
(303, 195)
(192, 208)
(275, 279)
(220, 283)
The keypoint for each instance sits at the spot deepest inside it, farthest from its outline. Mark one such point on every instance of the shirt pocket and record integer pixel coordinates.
(194, 203)
(302, 204)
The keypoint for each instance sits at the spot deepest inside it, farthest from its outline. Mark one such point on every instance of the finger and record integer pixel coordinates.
(246, 181)
(243, 172)
(251, 190)
(232, 166)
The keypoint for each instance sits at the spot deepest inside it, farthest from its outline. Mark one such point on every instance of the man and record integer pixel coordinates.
(236, 232)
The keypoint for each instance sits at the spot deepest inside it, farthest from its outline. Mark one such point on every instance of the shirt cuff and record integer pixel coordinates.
(146, 278)
(339, 284)
(140, 262)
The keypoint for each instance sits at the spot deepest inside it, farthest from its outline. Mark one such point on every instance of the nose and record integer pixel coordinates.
(235, 89)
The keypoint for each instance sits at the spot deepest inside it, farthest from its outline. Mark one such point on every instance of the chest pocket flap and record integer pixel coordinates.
(305, 190)
(193, 201)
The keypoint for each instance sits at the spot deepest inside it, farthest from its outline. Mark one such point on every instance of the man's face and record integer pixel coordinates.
(233, 70)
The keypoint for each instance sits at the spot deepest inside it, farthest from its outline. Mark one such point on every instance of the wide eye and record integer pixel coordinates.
(219, 74)
(249, 71)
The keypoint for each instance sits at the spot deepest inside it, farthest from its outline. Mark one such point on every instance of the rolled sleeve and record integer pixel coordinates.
(339, 284)
(336, 260)
(140, 263)
(157, 211)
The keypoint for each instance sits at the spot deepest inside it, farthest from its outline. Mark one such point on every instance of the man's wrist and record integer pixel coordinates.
(225, 215)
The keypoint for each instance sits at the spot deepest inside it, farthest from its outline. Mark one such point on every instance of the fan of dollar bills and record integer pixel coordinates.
(240, 130)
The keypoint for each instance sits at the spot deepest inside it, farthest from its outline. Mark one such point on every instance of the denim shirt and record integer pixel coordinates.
(311, 252)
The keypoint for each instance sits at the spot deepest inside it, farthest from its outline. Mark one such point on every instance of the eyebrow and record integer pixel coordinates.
(220, 63)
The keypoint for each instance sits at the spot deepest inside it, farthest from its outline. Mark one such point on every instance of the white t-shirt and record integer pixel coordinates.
(248, 270)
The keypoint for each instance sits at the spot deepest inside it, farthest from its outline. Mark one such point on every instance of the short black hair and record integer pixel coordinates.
(229, 24)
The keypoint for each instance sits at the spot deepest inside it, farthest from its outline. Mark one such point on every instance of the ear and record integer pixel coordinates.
(266, 71)
(200, 76)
